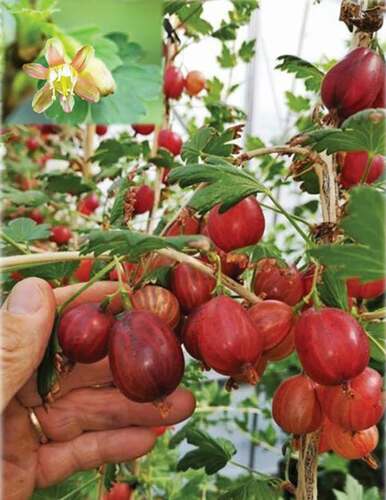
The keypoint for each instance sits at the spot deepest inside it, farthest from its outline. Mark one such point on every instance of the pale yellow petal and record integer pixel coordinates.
(87, 90)
(82, 58)
(54, 52)
(36, 71)
(67, 103)
(43, 99)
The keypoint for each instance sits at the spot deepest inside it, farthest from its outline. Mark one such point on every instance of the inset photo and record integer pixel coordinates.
(71, 62)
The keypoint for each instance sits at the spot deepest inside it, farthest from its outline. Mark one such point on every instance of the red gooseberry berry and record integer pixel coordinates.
(194, 82)
(273, 320)
(144, 199)
(143, 128)
(274, 280)
(295, 406)
(83, 272)
(357, 405)
(60, 235)
(170, 140)
(191, 286)
(101, 129)
(352, 445)
(146, 359)
(331, 345)
(239, 226)
(368, 290)
(83, 333)
(159, 301)
(174, 82)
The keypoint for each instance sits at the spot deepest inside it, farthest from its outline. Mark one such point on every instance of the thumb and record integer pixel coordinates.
(27, 318)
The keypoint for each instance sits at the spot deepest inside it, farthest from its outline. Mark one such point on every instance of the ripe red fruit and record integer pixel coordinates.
(228, 341)
(26, 183)
(83, 272)
(174, 82)
(60, 235)
(49, 129)
(240, 226)
(36, 215)
(101, 129)
(295, 406)
(146, 359)
(274, 281)
(158, 301)
(331, 345)
(190, 331)
(16, 276)
(83, 333)
(356, 405)
(186, 224)
(355, 165)
(283, 349)
(32, 144)
(352, 445)
(194, 82)
(191, 287)
(143, 128)
(369, 290)
(380, 100)
(144, 199)
(354, 83)
(273, 320)
(88, 204)
(170, 140)
(119, 491)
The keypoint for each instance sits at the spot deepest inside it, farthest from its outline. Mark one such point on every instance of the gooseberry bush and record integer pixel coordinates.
(275, 323)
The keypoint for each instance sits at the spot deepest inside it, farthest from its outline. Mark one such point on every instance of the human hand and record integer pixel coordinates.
(86, 426)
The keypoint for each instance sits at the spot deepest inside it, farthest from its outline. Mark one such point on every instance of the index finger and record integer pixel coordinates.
(94, 294)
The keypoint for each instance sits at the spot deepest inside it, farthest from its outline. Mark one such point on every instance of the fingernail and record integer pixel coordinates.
(25, 298)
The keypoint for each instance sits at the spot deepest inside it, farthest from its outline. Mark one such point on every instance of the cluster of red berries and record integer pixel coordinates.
(354, 84)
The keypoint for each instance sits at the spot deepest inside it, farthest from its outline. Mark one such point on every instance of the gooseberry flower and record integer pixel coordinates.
(84, 76)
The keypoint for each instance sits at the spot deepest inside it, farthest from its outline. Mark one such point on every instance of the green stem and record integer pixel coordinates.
(296, 217)
(252, 471)
(375, 341)
(13, 243)
(69, 495)
(87, 285)
(289, 217)
(367, 169)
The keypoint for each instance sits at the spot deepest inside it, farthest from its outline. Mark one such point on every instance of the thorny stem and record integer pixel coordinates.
(293, 216)
(289, 217)
(281, 150)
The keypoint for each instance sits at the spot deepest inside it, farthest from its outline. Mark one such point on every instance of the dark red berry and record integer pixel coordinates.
(83, 333)
(146, 359)
(101, 130)
(240, 226)
(194, 82)
(170, 140)
(143, 128)
(355, 168)
(83, 272)
(144, 199)
(368, 290)
(32, 144)
(88, 204)
(36, 215)
(158, 301)
(174, 82)
(191, 287)
(60, 235)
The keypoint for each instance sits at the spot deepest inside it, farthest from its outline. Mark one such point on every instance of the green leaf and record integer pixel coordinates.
(364, 258)
(250, 488)
(247, 51)
(376, 333)
(333, 291)
(25, 229)
(212, 454)
(51, 271)
(353, 490)
(303, 70)
(65, 182)
(227, 59)
(260, 251)
(26, 198)
(47, 375)
(364, 131)
(159, 276)
(130, 243)
(226, 32)
(297, 103)
(226, 184)
(110, 151)
(117, 211)
(190, 16)
(208, 142)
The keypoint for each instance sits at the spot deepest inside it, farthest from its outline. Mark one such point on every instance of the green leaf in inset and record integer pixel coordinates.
(65, 182)
(297, 103)
(365, 225)
(247, 51)
(303, 70)
(212, 454)
(251, 488)
(364, 131)
(226, 184)
(25, 229)
(227, 59)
